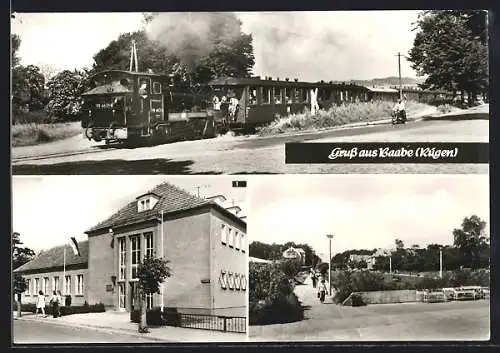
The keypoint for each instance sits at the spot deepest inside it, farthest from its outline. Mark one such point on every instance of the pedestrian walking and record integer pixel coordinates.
(322, 291)
(314, 279)
(54, 301)
(59, 302)
(40, 304)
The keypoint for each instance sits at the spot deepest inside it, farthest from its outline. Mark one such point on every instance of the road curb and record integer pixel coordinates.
(99, 328)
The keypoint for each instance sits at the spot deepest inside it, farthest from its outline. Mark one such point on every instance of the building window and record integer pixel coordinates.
(121, 295)
(67, 289)
(243, 245)
(37, 286)
(223, 234)
(28, 287)
(55, 285)
(148, 240)
(79, 284)
(156, 88)
(266, 95)
(135, 252)
(122, 256)
(231, 239)
(46, 285)
(236, 240)
(149, 301)
(277, 95)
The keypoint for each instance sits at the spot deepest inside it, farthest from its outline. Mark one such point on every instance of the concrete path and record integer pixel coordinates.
(120, 323)
(381, 322)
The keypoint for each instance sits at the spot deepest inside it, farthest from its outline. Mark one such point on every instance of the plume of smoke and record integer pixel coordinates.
(191, 35)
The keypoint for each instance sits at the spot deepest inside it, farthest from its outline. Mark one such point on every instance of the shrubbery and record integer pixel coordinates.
(346, 282)
(271, 294)
(65, 310)
(336, 116)
(154, 317)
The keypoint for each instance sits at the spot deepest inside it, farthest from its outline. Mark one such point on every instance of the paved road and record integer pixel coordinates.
(384, 322)
(251, 155)
(27, 332)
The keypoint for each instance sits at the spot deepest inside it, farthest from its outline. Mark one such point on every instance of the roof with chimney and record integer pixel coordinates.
(171, 199)
(54, 257)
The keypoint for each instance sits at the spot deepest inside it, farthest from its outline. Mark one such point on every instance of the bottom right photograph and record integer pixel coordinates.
(369, 258)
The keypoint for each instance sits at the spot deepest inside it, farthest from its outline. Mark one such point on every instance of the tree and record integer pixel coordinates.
(65, 91)
(16, 43)
(451, 48)
(20, 256)
(290, 267)
(151, 272)
(195, 49)
(27, 88)
(471, 240)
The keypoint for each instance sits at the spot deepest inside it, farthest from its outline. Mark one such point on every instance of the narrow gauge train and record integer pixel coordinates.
(127, 106)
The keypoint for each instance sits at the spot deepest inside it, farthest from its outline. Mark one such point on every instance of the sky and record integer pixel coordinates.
(364, 211)
(48, 210)
(311, 46)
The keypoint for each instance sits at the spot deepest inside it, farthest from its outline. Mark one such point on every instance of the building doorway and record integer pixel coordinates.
(134, 303)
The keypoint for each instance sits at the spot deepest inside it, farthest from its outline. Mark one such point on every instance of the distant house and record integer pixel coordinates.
(260, 261)
(295, 253)
(46, 273)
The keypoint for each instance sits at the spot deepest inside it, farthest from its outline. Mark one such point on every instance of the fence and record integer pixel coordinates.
(212, 322)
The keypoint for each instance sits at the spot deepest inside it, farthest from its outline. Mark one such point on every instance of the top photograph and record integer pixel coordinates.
(233, 92)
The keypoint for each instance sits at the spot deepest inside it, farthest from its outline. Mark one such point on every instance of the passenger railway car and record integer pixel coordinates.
(127, 105)
(244, 103)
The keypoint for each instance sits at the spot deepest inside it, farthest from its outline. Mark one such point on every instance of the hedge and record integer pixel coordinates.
(154, 317)
(282, 310)
(65, 310)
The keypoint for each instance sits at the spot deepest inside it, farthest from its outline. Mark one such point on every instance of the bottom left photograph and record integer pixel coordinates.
(119, 259)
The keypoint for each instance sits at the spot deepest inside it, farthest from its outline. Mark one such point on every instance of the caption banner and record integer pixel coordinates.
(414, 152)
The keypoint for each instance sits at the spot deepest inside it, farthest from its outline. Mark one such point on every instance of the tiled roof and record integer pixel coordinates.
(172, 199)
(55, 257)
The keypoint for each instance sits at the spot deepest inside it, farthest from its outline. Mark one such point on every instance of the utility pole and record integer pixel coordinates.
(440, 263)
(330, 236)
(399, 67)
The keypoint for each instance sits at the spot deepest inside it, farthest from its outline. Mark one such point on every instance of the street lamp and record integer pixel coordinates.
(330, 236)
(440, 262)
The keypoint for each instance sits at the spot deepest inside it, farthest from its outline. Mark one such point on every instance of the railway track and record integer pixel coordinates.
(58, 155)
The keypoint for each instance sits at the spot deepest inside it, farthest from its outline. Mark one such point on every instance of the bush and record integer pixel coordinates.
(282, 310)
(336, 116)
(346, 282)
(154, 317)
(357, 300)
(65, 310)
(31, 117)
(271, 294)
(35, 133)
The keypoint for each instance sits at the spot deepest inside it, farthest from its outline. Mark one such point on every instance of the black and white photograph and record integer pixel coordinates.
(369, 258)
(223, 92)
(129, 259)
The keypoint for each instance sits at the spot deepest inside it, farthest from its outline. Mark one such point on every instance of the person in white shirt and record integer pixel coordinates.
(40, 304)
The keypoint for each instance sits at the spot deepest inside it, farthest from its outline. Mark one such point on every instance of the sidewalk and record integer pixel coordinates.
(118, 322)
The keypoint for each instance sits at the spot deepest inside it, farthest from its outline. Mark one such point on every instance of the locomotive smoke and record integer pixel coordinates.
(189, 35)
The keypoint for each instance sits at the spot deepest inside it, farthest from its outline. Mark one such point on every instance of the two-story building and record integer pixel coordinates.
(204, 243)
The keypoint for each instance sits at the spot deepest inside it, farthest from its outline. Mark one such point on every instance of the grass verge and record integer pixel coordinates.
(337, 116)
(33, 133)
